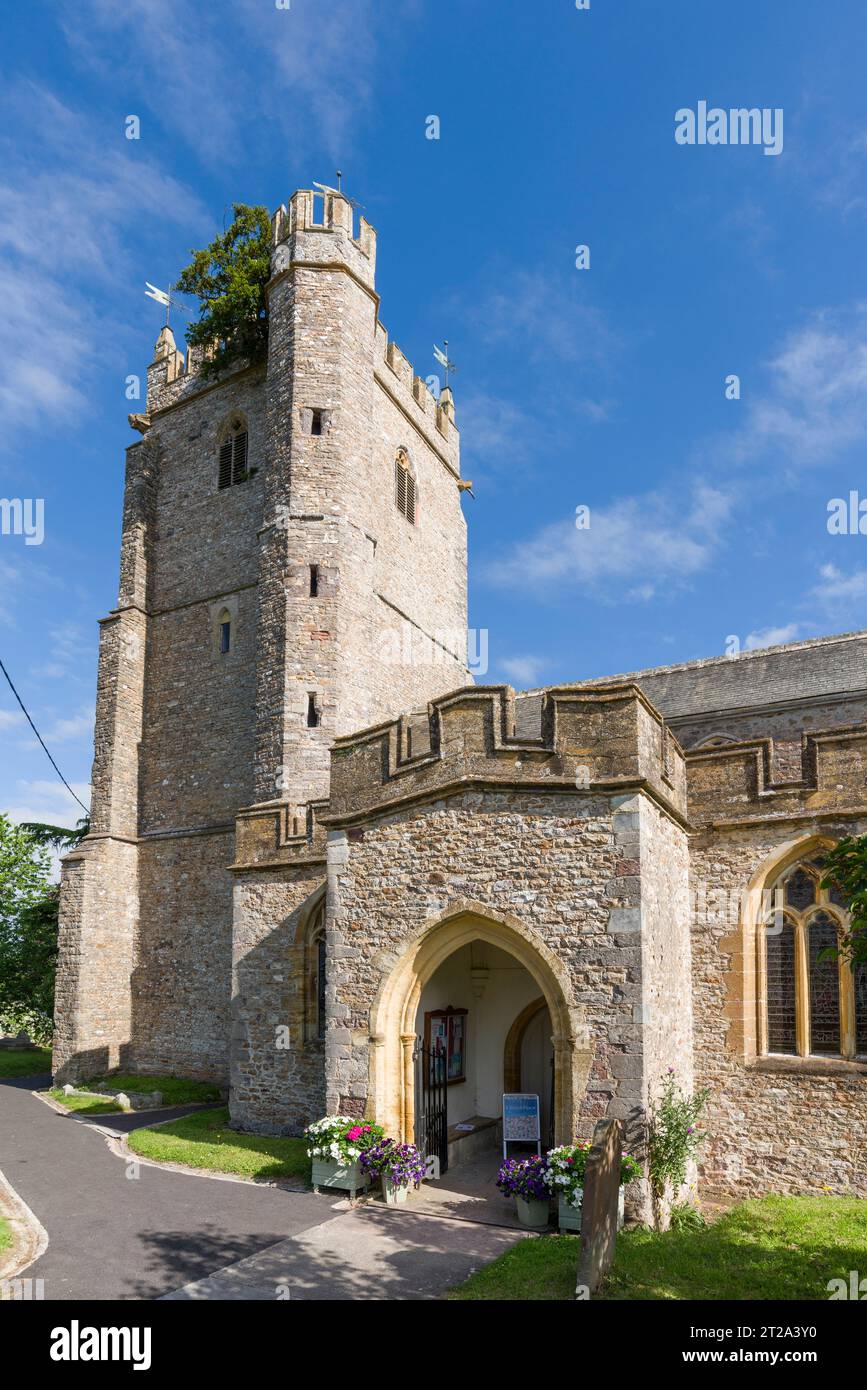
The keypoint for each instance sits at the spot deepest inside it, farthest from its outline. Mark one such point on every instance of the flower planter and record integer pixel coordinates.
(532, 1212)
(569, 1217)
(396, 1194)
(348, 1177)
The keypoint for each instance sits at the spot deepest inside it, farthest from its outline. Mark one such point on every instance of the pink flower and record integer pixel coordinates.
(355, 1133)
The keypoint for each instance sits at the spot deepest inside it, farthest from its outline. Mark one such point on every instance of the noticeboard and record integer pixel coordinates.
(521, 1118)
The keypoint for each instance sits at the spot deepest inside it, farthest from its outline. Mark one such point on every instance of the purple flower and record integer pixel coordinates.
(524, 1178)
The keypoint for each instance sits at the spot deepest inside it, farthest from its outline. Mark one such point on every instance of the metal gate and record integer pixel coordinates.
(431, 1123)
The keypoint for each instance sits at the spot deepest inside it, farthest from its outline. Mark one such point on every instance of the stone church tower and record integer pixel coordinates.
(293, 568)
(314, 841)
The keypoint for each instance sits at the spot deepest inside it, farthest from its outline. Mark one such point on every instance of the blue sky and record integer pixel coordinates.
(603, 387)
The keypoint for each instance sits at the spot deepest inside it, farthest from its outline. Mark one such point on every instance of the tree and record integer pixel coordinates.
(28, 932)
(229, 278)
(846, 870)
(55, 836)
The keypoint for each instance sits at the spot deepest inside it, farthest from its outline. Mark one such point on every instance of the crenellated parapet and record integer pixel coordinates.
(736, 783)
(602, 739)
(320, 227)
(315, 232)
(434, 418)
(278, 834)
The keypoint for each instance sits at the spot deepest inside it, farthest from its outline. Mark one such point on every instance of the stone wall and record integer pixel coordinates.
(775, 1124)
(666, 1003)
(186, 735)
(521, 853)
(277, 1070)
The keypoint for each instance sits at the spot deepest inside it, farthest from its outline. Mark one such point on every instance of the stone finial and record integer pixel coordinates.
(447, 403)
(166, 345)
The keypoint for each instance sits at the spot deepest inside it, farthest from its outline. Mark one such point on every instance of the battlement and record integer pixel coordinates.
(315, 231)
(277, 833)
(736, 782)
(410, 392)
(590, 740)
(309, 211)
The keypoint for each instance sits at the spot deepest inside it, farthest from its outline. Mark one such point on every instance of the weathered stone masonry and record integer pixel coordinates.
(613, 837)
(188, 736)
(491, 827)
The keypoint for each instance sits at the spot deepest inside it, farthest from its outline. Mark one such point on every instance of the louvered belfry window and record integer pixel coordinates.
(233, 457)
(404, 487)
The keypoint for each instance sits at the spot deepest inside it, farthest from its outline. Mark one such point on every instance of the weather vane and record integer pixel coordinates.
(326, 188)
(163, 297)
(442, 356)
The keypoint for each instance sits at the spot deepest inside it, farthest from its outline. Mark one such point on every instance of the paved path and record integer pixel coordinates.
(168, 1233)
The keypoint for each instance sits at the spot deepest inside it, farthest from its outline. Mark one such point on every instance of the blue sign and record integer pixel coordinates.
(521, 1118)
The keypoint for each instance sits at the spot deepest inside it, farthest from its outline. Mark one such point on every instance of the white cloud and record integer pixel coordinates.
(75, 726)
(67, 648)
(10, 717)
(772, 636)
(835, 179)
(816, 402)
(661, 535)
(838, 589)
(66, 185)
(498, 436)
(523, 670)
(48, 801)
(544, 317)
(66, 729)
(210, 72)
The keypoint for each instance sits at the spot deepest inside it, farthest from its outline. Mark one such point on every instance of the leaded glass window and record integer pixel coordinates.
(816, 1004)
(780, 956)
(320, 985)
(824, 985)
(860, 974)
(801, 890)
(316, 966)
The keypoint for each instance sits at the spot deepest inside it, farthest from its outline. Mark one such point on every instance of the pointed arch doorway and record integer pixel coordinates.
(503, 958)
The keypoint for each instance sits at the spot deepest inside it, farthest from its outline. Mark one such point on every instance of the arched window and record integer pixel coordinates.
(780, 957)
(815, 1005)
(225, 631)
(316, 973)
(715, 741)
(233, 454)
(404, 486)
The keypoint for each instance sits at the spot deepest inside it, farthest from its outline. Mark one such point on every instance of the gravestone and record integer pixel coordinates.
(599, 1208)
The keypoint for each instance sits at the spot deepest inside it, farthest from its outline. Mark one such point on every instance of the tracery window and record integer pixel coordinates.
(815, 1004)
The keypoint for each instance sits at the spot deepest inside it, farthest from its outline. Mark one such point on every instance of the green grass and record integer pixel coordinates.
(204, 1140)
(5, 1234)
(24, 1061)
(771, 1248)
(175, 1089)
(84, 1105)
